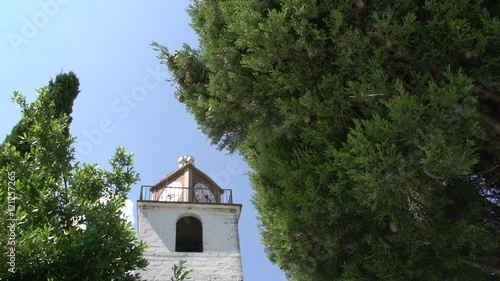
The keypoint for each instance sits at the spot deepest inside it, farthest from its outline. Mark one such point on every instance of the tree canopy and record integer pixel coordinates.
(371, 127)
(62, 92)
(62, 219)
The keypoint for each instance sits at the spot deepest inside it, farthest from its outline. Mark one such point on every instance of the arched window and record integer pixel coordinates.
(189, 235)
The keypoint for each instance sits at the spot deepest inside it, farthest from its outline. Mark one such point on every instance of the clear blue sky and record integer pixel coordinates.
(124, 99)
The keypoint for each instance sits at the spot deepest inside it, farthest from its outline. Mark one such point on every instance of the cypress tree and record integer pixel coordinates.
(62, 92)
(371, 128)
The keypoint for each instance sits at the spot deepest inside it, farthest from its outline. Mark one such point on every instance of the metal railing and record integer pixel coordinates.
(186, 194)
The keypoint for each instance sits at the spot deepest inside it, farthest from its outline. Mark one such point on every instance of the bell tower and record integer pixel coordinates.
(187, 216)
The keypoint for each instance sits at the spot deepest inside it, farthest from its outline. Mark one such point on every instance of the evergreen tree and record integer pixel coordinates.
(372, 128)
(63, 91)
(62, 220)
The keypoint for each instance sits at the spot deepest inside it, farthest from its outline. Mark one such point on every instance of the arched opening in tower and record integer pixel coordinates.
(189, 235)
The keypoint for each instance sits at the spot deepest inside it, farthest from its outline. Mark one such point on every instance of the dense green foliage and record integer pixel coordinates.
(62, 92)
(365, 123)
(62, 220)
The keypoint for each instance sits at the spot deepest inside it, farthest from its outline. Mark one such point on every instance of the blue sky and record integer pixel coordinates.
(124, 98)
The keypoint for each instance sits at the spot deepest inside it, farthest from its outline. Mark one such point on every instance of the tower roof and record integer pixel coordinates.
(185, 165)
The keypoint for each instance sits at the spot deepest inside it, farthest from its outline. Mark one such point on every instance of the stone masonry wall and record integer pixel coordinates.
(221, 258)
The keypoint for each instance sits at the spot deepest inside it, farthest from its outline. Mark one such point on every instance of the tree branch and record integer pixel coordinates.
(489, 170)
(491, 268)
(432, 175)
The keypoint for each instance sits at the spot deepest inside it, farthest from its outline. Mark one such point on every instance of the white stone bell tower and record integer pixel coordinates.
(187, 216)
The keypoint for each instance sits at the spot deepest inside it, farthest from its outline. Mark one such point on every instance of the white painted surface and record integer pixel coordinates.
(221, 258)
